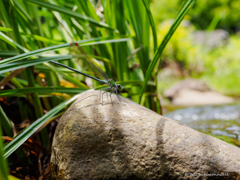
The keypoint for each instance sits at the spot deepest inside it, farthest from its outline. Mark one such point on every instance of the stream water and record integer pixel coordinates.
(217, 120)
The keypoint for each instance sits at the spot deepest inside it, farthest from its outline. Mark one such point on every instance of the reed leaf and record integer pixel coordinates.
(183, 11)
(29, 131)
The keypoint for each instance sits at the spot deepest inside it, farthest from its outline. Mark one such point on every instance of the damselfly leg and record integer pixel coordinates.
(119, 98)
(110, 95)
(107, 90)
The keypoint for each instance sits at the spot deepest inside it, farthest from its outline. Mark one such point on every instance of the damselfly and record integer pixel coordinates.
(78, 53)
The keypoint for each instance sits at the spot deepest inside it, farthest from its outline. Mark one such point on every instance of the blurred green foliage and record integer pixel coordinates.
(222, 67)
(218, 66)
(217, 13)
(181, 47)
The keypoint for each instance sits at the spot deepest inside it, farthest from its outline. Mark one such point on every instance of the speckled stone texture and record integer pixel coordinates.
(129, 141)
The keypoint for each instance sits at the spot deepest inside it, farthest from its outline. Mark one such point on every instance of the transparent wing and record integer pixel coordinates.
(78, 53)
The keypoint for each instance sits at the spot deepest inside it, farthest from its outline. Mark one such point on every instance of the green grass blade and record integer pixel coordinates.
(6, 124)
(188, 4)
(24, 82)
(37, 19)
(5, 16)
(137, 15)
(12, 42)
(4, 29)
(135, 82)
(15, 27)
(28, 132)
(150, 17)
(36, 99)
(28, 71)
(9, 77)
(43, 68)
(22, 10)
(41, 90)
(27, 63)
(86, 42)
(43, 39)
(69, 13)
(36, 37)
(3, 164)
(8, 53)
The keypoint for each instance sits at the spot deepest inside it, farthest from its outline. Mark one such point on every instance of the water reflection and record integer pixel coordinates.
(218, 120)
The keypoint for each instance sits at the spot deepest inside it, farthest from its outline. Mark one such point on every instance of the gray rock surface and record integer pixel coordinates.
(192, 84)
(187, 97)
(192, 92)
(211, 39)
(129, 141)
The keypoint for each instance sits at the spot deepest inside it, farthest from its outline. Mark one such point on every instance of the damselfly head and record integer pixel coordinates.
(119, 87)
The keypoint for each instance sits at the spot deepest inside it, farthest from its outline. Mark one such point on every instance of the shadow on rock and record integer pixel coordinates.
(128, 141)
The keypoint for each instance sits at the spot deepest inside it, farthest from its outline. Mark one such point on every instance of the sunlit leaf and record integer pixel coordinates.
(184, 10)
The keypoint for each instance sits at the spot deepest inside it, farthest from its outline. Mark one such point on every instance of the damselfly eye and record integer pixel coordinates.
(119, 87)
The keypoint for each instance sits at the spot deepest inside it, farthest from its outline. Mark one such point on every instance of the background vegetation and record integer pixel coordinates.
(126, 39)
(218, 66)
(215, 14)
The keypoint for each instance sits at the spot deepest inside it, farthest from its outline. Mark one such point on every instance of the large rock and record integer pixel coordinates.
(187, 97)
(192, 84)
(211, 39)
(128, 141)
(192, 92)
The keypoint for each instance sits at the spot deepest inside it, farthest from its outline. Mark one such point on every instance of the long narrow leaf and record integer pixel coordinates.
(21, 138)
(27, 63)
(151, 23)
(24, 82)
(41, 90)
(3, 164)
(12, 42)
(188, 4)
(4, 14)
(6, 124)
(8, 53)
(69, 13)
(86, 42)
(4, 29)
(22, 10)
(47, 69)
